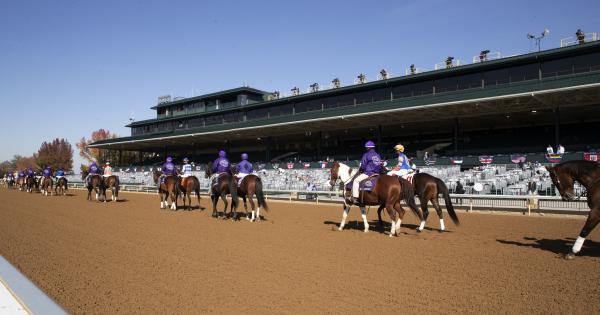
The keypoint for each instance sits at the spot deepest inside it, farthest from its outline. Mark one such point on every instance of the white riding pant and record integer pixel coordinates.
(400, 172)
(356, 183)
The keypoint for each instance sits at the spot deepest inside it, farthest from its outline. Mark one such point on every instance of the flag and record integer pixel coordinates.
(456, 160)
(486, 159)
(591, 156)
(554, 158)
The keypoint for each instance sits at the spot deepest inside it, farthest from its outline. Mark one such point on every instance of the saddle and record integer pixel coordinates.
(366, 184)
(217, 180)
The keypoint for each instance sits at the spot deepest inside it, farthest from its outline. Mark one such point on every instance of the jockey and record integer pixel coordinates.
(60, 173)
(94, 169)
(186, 169)
(168, 169)
(220, 165)
(370, 165)
(244, 167)
(403, 168)
(30, 172)
(107, 170)
(21, 174)
(47, 172)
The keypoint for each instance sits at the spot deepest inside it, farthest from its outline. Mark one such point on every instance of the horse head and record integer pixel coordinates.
(334, 175)
(563, 180)
(208, 171)
(155, 176)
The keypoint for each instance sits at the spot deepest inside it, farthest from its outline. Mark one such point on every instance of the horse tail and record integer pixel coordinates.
(260, 196)
(197, 188)
(441, 186)
(233, 191)
(408, 192)
(117, 186)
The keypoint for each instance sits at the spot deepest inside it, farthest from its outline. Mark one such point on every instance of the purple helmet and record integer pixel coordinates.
(244, 156)
(185, 160)
(222, 154)
(169, 159)
(370, 144)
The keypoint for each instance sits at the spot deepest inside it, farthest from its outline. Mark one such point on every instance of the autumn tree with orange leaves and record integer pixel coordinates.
(98, 155)
(56, 154)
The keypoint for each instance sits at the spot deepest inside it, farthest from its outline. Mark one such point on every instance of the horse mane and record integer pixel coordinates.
(578, 168)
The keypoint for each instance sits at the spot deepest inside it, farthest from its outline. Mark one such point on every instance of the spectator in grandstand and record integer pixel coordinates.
(459, 190)
(403, 168)
(186, 169)
(108, 171)
(244, 167)
(369, 165)
(549, 149)
(560, 149)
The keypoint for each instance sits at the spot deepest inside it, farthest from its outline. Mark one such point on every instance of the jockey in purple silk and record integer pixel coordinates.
(220, 165)
(369, 165)
(94, 169)
(47, 172)
(244, 167)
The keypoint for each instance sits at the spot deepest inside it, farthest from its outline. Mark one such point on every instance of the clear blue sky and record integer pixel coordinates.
(70, 67)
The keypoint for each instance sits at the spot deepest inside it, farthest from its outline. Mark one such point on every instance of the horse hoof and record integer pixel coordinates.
(419, 231)
(570, 256)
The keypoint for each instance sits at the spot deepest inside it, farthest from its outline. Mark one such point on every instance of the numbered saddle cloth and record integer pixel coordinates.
(369, 183)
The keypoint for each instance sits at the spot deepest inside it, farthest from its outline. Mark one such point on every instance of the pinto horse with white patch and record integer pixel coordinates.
(111, 183)
(586, 173)
(387, 192)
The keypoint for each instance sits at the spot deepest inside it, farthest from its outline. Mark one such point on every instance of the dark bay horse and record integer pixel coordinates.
(428, 188)
(251, 185)
(586, 173)
(111, 183)
(387, 192)
(46, 184)
(61, 186)
(186, 186)
(167, 187)
(30, 183)
(94, 183)
(225, 184)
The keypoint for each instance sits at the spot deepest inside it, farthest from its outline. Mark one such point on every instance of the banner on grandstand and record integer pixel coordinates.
(591, 156)
(456, 160)
(554, 158)
(518, 158)
(430, 161)
(486, 159)
(323, 164)
(306, 165)
(290, 165)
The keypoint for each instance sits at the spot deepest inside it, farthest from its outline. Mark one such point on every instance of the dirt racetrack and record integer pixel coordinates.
(131, 257)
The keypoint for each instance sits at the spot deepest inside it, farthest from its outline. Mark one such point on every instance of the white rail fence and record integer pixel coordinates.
(516, 203)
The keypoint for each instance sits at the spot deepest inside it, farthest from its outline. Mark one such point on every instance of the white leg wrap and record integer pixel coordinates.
(364, 216)
(258, 214)
(578, 244)
(162, 205)
(442, 226)
(344, 216)
(422, 226)
(393, 229)
(173, 206)
(252, 217)
(398, 224)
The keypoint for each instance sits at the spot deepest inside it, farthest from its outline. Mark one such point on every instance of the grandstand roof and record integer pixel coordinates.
(229, 92)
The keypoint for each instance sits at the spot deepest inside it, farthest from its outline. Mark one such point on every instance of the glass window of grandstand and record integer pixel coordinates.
(197, 107)
(228, 102)
(346, 100)
(469, 81)
(260, 113)
(282, 110)
(402, 91)
(330, 102)
(211, 105)
(181, 124)
(308, 106)
(524, 73)
(496, 77)
(558, 67)
(446, 85)
(423, 88)
(179, 110)
(165, 126)
(381, 95)
(586, 63)
(195, 122)
(233, 117)
(213, 120)
(363, 97)
(161, 112)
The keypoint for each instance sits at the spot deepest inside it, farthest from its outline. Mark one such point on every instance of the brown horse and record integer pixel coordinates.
(30, 183)
(61, 186)
(94, 183)
(167, 188)
(428, 188)
(225, 184)
(22, 183)
(587, 173)
(113, 184)
(251, 185)
(387, 192)
(46, 184)
(186, 186)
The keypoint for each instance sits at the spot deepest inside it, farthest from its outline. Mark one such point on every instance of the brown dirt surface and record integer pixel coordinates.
(131, 257)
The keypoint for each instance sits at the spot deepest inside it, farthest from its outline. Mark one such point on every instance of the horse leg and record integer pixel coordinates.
(214, 199)
(253, 208)
(591, 222)
(189, 198)
(379, 220)
(173, 200)
(390, 207)
(363, 214)
(344, 216)
(224, 198)
(400, 211)
(161, 195)
(436, 205)
(424, 208)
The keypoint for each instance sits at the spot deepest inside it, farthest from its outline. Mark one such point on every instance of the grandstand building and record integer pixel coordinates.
(497, 107)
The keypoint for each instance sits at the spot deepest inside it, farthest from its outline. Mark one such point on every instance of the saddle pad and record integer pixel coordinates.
(409, 177)
(369, 183)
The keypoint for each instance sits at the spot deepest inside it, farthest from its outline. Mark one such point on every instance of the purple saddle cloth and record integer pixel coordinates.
(366, 185)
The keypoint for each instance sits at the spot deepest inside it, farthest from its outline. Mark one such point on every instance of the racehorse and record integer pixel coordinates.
(30, 183)
(94, 183)
(186, 186)
(387, 192)
(225, 184)
(428, 188)
(586, 173)
(22, 183)
(112, 183)
(61, 186)
(46, 184)
(167, 187)
(251, 185)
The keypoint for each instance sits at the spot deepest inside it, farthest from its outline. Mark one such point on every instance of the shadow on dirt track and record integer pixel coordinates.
(557, 246)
